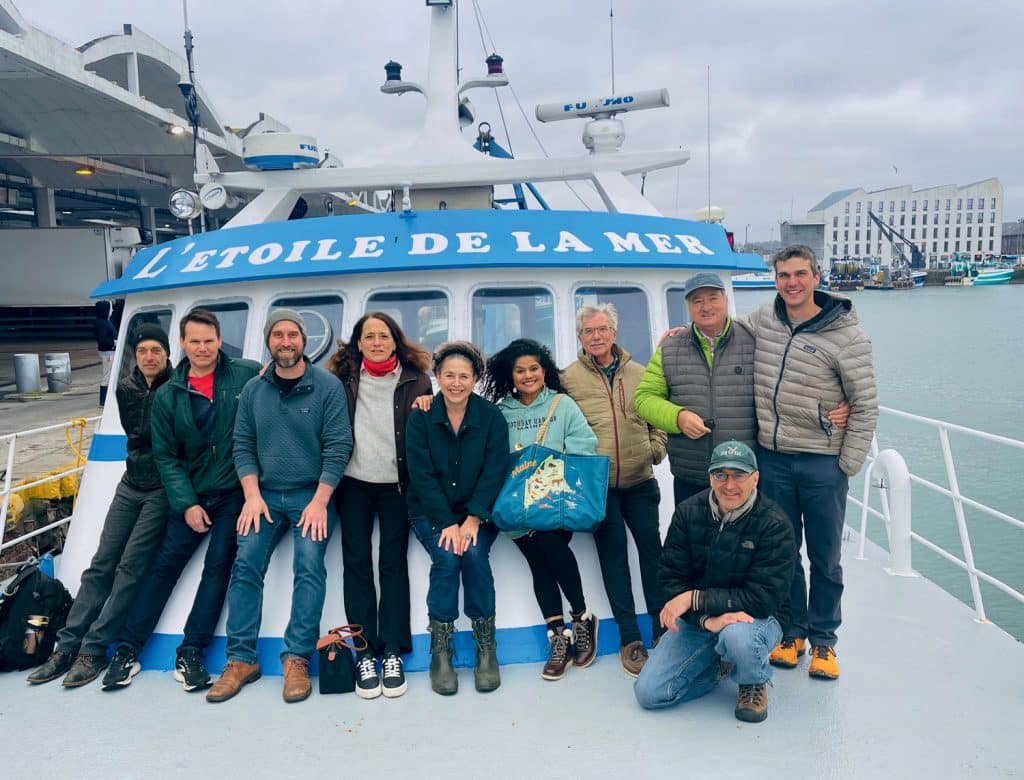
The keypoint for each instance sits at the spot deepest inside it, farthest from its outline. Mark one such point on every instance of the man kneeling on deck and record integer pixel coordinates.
(292, 443)
(729, 558)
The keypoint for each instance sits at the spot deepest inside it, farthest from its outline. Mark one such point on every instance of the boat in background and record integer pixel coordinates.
(764, 280)
(918, 278)
(992, 276)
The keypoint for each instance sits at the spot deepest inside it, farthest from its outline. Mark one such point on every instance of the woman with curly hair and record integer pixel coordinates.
(524, 381)
(384, 374)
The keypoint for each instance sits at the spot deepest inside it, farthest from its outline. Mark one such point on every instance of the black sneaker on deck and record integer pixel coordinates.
(394, 676)
(124, 666)
(367, 680)
(191, 672)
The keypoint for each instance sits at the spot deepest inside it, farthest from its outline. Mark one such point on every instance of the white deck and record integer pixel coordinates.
(926, 692)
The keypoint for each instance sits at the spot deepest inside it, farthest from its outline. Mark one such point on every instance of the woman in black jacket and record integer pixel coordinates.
(383, 374)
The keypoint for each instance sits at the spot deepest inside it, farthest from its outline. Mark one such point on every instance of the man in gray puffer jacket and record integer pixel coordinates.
(810, 354)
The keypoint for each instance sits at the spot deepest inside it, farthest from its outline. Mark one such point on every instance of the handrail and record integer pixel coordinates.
(899, 529)
(6, 490)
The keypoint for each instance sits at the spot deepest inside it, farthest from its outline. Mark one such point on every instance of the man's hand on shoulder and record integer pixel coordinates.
(197, 519)
(718, 622)
(675, 609)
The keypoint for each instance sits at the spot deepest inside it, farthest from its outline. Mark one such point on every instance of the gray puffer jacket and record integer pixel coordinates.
(803, 372)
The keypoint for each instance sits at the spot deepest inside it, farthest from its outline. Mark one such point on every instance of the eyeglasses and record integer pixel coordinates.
(603, 330)
(739, 477)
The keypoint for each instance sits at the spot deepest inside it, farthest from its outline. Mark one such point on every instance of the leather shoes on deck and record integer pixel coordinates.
(236, 674)
(297, 686)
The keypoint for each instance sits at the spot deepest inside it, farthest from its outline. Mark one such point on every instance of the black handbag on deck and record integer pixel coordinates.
(33, 608)
(337, 666)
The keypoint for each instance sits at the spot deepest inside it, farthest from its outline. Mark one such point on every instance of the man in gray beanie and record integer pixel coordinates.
(293, 439)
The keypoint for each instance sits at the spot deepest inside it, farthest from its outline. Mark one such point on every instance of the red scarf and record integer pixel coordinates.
(383, 368)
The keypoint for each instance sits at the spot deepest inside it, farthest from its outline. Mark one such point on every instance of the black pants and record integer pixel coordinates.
(636, 508)
(385, 624)
(553, 566)
(176, 550)
(682, 490)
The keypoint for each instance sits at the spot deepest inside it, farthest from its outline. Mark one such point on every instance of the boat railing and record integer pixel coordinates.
(74, 432)
(887, 472)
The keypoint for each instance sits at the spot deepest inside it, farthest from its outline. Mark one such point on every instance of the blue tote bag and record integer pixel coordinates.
(547, 490)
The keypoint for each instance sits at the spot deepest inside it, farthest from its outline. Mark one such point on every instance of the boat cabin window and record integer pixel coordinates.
(161, 317)
(322, 315)
(634, 316)
(502, 315)
(678, 313)
(421, 314)
(233, 318)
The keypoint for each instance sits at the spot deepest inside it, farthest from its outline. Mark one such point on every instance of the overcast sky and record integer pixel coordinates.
(805, 99)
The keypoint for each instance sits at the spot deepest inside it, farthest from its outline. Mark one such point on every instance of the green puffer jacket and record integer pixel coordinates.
(189, 465)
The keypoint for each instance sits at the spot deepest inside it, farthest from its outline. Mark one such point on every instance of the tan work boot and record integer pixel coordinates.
(235, 675)
(824, 665)
(752, 703)
(633, 657)
(297, 686)
(786, 653)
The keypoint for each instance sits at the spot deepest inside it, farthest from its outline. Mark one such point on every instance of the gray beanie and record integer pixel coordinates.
(277, 315)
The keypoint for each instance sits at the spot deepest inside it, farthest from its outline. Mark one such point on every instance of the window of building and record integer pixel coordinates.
(968, 232)
(846, 221)
(946, 233)
(856, 249)
(959, 204)
(945, 246)
(501, 315)
(834, 250)
(903, 205)
(924, 205)
(913, 205)
(233, 318)
(634, 316)
(947, 218)
(970, 218)
(835, 235)
(892, 206)
(935, 232)
(970, 203)
(957, 246)
(913, 232)
(992, 230)
(936, 204)
(903, 220)
(981, 203)
(421, 314)
(322, 316)
(935, 246)
(858, 207)
(835, 221)
(913, 219)
(935, 218)
(858, 222)
(990, 245)
(981, 218)
(891, 221)
(948, 202)
(992, 217)
(846, 235)
(959, 217)
(958, 232)
(846, 250)
(868, 235)
(161, 317)
(856, 234)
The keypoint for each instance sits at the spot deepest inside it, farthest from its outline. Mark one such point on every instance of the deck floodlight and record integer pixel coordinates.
(494, 64)
(184, 204)
(393, 71)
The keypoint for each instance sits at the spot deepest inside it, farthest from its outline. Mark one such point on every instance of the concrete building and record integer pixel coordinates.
(938, 221)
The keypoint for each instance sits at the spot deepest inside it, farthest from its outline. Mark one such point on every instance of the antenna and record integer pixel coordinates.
(709, 139)
(188, 90)
(611, 37)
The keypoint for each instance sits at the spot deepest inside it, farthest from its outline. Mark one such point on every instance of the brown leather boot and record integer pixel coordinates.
(297, 686)
(235, 675)
(560, 640)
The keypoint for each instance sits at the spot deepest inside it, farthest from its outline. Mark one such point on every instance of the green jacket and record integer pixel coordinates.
(189, 465)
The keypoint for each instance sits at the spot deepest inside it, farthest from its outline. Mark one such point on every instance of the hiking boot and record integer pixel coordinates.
(124, 666)
(786, 653)
(190, 670)
(84, 670)
(297, 686)
(752, 703)
(486, 675)
(235, 675)
(56, 665)
(823, 663)
(367, 680)
(633, 657)
(394, 676)
(560, 640)
(443, 679)
(584, 630)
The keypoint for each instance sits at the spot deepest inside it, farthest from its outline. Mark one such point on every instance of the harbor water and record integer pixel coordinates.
(953, 354)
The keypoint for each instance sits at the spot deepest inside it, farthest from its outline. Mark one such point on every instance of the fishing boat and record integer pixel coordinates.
(991, 276)
(446, 263)
(919, 278)
(757, 281)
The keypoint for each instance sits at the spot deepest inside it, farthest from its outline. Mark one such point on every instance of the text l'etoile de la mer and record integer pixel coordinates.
(191, 258)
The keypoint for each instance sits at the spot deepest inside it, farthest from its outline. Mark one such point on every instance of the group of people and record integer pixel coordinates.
(763, 420)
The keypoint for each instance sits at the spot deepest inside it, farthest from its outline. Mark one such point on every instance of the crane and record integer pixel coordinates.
(897, 239)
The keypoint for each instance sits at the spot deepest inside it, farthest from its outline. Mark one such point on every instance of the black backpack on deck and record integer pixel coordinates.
(33, 608)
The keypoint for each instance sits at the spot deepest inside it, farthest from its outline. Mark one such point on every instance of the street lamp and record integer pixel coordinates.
(746, 237)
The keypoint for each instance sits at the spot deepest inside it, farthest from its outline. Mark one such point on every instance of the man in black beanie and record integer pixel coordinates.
(131, 531)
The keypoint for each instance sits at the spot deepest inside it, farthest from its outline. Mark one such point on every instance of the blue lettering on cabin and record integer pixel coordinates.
(429, 240)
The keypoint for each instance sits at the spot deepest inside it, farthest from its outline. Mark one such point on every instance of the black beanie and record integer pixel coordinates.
(150, 331)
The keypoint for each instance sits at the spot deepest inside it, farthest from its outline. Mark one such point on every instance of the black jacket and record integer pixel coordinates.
(134, 402)
(412, 383)
(453, 475)
(743, 566)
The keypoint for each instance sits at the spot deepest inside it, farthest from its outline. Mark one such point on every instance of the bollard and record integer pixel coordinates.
(26, 372)
(58, 371)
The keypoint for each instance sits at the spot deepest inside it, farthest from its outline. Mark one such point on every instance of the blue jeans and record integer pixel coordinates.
(309, 583)
(446, 568)
(176, 549)
(684, 665)
(811, 490)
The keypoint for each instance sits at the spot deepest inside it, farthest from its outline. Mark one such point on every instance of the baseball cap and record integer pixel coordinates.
(703, 279)
(733, 454)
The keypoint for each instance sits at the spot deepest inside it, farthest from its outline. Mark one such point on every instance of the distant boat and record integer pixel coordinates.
(993, 276)
(918, 278)
(764, 280)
